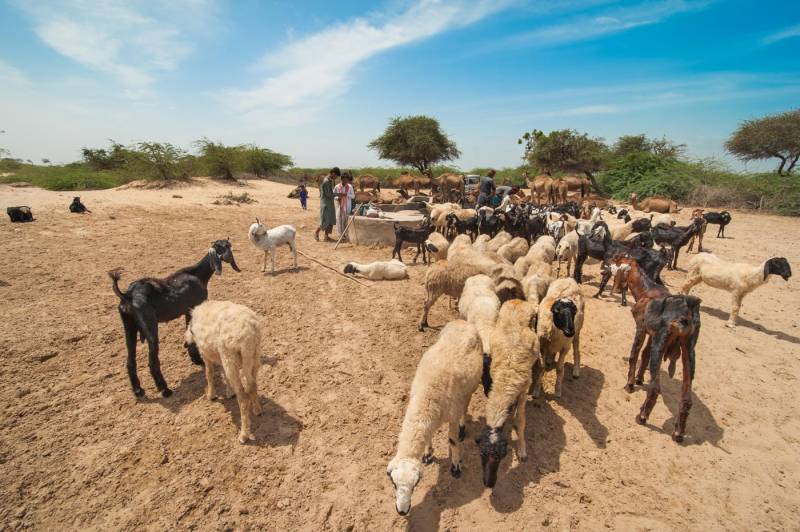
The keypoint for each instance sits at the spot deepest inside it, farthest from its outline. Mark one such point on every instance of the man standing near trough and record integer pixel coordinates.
(327, 212)
(486, 189)
(345, 194)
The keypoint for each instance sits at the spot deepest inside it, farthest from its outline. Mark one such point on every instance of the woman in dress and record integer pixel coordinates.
(327, 211)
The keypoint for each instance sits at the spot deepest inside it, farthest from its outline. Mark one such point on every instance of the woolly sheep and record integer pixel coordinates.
(622, 232)
(481, 242)
(444, 278)
(389, 270)
(459, 242)
(560, 320)
(479, 305)
(515, 349)
(567, 249)
(447, 375)
(269, 240)
(536, 281)
(517, 247)
(499, 240)
(229, 334)
(437, 246)
(737, 278)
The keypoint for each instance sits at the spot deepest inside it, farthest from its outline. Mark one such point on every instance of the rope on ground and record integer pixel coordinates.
(309, 257)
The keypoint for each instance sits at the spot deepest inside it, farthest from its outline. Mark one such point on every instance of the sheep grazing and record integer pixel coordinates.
(515, 349)
(270, 239)
(718, 218)
(414, 235)
(447, 375)
(516, 248)
(230, 335)
(149, 301)
(390, 270)
(560, 320)
(479, 305)
(437, 246)
(444, 278)
(20, 214)
(77, 207)
(537, 281)
(672, 325)
(737, 278)
(675, 237)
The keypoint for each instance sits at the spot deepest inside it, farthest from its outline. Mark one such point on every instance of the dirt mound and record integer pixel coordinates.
(159, 184)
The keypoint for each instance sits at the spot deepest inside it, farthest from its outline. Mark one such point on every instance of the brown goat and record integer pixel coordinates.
(671, 325)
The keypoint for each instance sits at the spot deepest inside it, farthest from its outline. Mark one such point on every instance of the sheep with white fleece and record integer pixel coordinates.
(387, 270)
(567, 249)
(560, 321)
(737, 278)
(447, 375)
(515, 248)
(481, 241)
(437, 245)
(270, 239)
(229, 334)
(499, 240)
(479, 305)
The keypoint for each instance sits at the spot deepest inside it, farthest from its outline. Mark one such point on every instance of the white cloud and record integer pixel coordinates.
(11, 74)
(307, 73)
(614, 21)
(788, 33)
(131, 41)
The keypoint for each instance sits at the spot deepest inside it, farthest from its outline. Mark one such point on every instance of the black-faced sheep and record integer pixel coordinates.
(230, 335)
(437, 246)
(560, 320)
(737, 278)
(149, 301)
(447, 375)
(514, 351)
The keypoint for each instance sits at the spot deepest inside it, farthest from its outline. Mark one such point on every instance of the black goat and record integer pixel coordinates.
(491, 223)
(718, 218)
(612, 209)
(650, 261)
(150, 301)
(468, 226)
(570, 208)
(77, 207)
(20, 214)
(416, 236)
(675, 237)
(622, 214)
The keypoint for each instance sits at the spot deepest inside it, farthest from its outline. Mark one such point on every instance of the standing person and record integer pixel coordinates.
(486, 189)
(303, 197)
(327, 212)
(345, 193)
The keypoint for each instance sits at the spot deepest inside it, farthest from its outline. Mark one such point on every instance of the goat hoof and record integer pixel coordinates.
(640, 420)
(455, 470)
(166, 392)
(427, 459)
(138, 392)
(677, 438)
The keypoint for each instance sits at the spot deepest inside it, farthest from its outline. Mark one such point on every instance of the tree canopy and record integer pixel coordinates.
(224, 161)
(663, 147)
(416, 141)
(773, 136)
(565, 150)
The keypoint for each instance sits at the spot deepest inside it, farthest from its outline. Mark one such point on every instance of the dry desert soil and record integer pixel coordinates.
(79, 452)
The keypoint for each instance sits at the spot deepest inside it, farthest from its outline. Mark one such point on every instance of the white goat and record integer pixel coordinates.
(270, 239)
(229, 334)
(737, 278)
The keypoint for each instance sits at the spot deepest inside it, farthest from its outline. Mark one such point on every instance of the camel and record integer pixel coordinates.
(367, 180)
(541, 188)
(576, 183)
(408, 181)
(451, 185)
(654, 204)
(559, 191)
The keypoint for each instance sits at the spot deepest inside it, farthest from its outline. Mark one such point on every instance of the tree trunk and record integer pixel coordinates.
(794, 162)
(783, 163)
(594, 183)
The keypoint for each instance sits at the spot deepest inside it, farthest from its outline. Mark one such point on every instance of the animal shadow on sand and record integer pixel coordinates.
(701, 427)
(287, 269)
(741, 322)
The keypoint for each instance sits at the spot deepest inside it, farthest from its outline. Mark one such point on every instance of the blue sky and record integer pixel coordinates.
(318, 79)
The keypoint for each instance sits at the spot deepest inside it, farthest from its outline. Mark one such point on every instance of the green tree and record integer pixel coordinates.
(116, 156)
(662, 147)
(162, 160)
(416, 141)
(263, 161)
(565, 150)
(221, 160)
(45, 161)
(773, 136)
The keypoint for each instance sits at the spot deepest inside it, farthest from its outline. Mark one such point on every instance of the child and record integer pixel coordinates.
(303, 197)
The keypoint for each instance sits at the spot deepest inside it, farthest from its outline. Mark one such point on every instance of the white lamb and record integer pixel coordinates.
(447, 375)
(437, 245)
(269, 240)
(389, 270)
(567, 249)
(514, 249)
(737, 278)
(229, 334)
(559, 328)
(479, 305)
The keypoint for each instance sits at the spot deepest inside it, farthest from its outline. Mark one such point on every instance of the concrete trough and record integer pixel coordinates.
(366, 231)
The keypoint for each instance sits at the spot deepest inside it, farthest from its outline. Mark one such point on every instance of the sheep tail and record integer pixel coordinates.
(115, 277)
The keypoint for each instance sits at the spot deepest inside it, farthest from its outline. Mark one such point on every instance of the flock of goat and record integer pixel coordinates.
(518, 317)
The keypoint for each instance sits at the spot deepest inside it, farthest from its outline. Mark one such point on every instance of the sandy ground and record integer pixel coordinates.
(77, 451)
